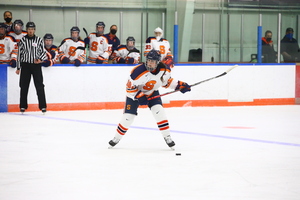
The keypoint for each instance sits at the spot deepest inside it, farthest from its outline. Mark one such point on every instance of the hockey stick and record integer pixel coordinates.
(85, 32)
(224, 73)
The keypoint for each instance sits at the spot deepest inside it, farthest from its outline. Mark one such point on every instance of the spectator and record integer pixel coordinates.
(18, 33)
(127, 53)
(98, 46)
(30, 56)
(72, 49)
(268, 48)
(289, 47)
(51, 50)
(7, 15)
(9, 48)
(160, 44)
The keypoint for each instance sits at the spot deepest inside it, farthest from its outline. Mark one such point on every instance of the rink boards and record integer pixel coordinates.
(91, 87)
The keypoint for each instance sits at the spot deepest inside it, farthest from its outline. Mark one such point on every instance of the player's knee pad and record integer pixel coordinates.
(127, 119)
(158, 112)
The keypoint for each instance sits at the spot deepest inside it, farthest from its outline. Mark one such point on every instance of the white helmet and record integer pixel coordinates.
(158, 30)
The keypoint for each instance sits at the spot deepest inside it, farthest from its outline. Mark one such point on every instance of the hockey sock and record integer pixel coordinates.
(124, 124)
(161, 119)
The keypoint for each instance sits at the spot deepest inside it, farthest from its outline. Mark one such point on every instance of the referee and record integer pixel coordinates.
(31, 53)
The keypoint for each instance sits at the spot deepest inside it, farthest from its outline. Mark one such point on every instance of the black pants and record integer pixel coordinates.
(35, 70)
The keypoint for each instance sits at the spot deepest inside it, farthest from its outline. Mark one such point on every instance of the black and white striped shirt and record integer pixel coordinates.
(29, 49)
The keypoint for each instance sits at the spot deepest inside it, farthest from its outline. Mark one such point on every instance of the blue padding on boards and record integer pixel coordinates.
(3, 88)
(259, 44)
(176, 44)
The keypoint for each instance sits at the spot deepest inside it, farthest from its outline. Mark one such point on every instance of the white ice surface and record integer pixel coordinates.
(227, 153)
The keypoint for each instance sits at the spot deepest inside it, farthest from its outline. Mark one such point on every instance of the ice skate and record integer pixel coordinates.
(113, 142)
(170, 142)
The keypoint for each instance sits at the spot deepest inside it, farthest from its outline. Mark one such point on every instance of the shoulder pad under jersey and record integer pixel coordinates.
(138, 71)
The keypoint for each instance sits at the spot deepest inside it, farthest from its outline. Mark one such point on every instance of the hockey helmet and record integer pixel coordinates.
(48, 36)
(2, 25)
(75, 29)
(18, 21)
(100, 24)
(30, 25)
(130, 38)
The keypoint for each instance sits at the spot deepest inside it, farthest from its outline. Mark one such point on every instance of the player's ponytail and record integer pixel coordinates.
(165, 69)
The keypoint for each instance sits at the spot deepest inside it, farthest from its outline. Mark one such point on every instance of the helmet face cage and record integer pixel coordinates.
(153, 55)
(18, 26)
(75, 29)
(158, 30)
(48, 40)
(132, 43)
(99, 24)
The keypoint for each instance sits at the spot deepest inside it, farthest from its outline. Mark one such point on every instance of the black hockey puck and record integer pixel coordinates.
(178, 154)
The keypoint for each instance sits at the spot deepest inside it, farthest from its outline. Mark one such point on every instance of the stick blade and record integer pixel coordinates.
(231, 68)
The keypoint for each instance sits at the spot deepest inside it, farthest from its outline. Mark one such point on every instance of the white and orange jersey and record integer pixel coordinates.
(68, 48)
(141, 79)
(17, 37)
(8, 49)
(98, 46)
(123, 52)
(162, 45)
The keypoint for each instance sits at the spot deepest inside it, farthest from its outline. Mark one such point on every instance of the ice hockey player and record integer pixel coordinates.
(99, 50)
(143, 83)
(9, 48)
(127, 53)
(51, 50)
(72, 49)
(160, 44)
(18, 33)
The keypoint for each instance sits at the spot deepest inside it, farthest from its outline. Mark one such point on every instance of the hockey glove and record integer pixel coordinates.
(13, 63)
(46, 63)
(86, 41)
(183, 87)
(141, 97)
(130, 61)
(65, 60)
(100, 60)
(77, 62)
(120, 60)
(168, 61)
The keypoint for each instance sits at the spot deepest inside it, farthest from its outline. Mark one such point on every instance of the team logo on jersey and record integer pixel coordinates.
(34, 44)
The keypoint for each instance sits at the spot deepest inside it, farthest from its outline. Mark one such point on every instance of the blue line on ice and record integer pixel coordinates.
(173, 131)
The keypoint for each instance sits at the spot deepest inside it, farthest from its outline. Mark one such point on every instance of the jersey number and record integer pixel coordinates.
(2, 48)
(162, 49)
(149, 85)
